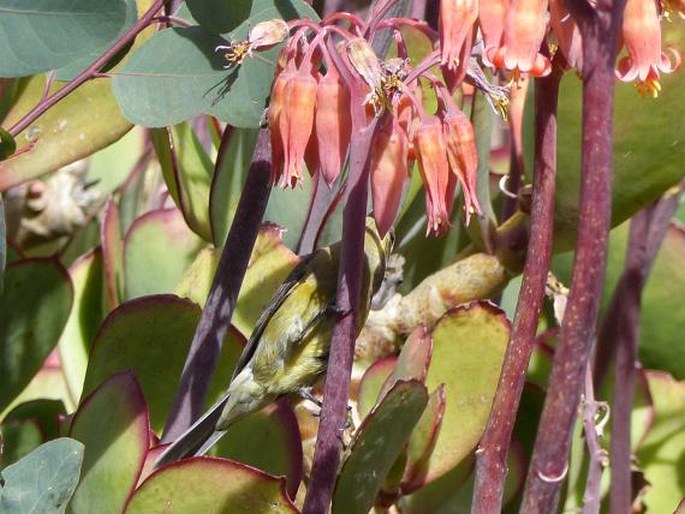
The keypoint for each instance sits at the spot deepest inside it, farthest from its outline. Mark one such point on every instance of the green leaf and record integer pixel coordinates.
(113, 425)
(377, 445)
(42, 36)
(82, 123)
(210, 486)
(30, 324)
(268, 440)
(8, 145)
(158, 249)
(372, 382)
(44, 480)
(468, 350)
(187, 170)
(227, 182)
(177, 74)
(84, 319)
(151, 336)
(19, 438)
(3, 243)
(47, 415)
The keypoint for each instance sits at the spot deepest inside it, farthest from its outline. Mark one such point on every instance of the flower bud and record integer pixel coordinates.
(388, 172)
(333, 124)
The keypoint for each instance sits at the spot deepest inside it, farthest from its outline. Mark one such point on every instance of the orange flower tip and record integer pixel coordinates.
(268, 33)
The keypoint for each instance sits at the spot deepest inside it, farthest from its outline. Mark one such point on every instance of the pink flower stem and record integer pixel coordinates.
(549, 463)
(492, 452)
(90, 72)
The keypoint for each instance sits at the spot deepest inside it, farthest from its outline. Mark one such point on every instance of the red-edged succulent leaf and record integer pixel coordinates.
(379, 442)
(422, 441)
(468, 350)
(371, 383)
(113, 425)
(151, 336)
(158, 249)
(210, 486)
(268, 440)
(413, 361)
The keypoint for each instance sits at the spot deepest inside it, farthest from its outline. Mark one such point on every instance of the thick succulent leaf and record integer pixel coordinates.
(371, 383)
(468, 349)
(143, 333)
(48, 384)
(210, 486)
(111, 239)
(662, 314)
(42, 36)
(30, 325)
(268, 440)
(227, 182)
(187, 170)
(8, 144)
(3, 243)
(109, 167)
(662, 452)
(178, 74)
(19, 438)
(158, 249)
(84, 319)
(379, 442)
(413, 360)
(113, 425)
(45, 413)
(44, 480)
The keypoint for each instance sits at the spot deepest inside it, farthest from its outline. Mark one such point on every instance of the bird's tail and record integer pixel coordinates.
(199, 438)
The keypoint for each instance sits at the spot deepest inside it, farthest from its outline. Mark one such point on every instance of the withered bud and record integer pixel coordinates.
(268, 33)
(365, 62)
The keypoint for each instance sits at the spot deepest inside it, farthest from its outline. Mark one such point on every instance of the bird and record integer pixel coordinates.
(287, 351)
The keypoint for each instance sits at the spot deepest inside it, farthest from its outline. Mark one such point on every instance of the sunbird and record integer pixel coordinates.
(288, 349)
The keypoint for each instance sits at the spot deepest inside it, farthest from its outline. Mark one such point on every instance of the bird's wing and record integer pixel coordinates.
(276, 301)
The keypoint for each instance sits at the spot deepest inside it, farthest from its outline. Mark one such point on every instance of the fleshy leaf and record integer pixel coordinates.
(113, 425)
(151, 337)
(268, 440)
(379, 442)
(19, 438)
(187, 170)
(413, 361)
(112, 243)
(30, 324)
(372, 382)
(42, 36)
(44, 480)
(8, 145)
(210, 486)
(468, 349)
(158, 249)
(45, 413)
(84, 319)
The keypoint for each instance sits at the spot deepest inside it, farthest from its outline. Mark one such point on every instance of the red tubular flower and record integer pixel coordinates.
(333, 124)
(524, 31)
(491, 17)
(295, 123)
(389, 172)
(276, 104)
(462, 155)
(430, 147)
(642, 37)
(455, 22)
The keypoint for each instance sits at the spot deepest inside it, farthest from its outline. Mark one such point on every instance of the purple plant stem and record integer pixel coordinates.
(647, 230)
(593, 484)
(549, 463)
(90, 72)
(492, 452)
(216, 316)
(322, 198)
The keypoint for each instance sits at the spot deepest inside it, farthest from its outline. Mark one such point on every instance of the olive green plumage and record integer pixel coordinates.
(288, 349)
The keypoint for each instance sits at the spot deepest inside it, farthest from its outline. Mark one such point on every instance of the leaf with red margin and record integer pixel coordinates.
(158, 249)
(85, 317)
(372, 382)
(30, 324)
(379, 442)
(468, 350)
(210, 486)
(268, 440)
(422, 441)
(413, 360)
(151, 336)
(113, 425)
(112, 254)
